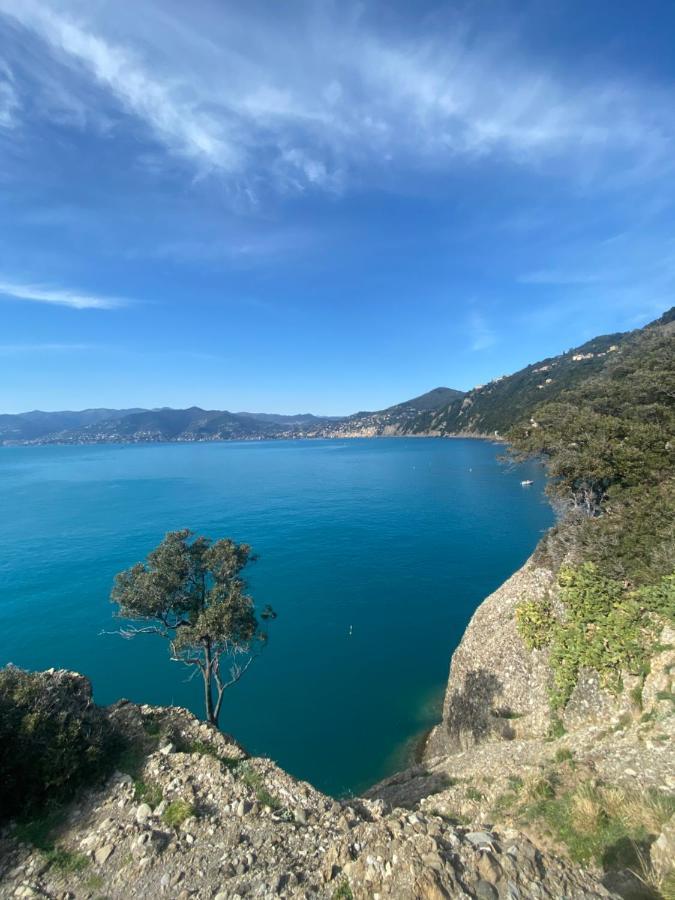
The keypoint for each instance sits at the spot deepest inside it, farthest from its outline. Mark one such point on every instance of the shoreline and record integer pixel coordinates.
(459, 435)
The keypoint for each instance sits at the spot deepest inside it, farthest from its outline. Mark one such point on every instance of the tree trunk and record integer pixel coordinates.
(207, 674)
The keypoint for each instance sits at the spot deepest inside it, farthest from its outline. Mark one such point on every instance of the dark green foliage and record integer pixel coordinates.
(609, 445)
(191, 592)
(53, 740)
(608, 441)
(499, 405)
(67, 862)
(343, 891)
(147, 792)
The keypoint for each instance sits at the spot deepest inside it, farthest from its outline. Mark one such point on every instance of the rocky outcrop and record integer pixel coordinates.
(199, 818)
(195, 816)
(496, 687)
(498, 750)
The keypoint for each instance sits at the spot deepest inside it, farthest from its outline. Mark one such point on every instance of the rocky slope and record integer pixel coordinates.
(501, 755)
(198, 818)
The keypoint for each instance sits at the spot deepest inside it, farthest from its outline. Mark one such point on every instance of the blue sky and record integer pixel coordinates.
(324, 206)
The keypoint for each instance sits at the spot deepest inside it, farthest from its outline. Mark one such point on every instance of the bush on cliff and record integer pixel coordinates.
(53, 739)
(604, 627)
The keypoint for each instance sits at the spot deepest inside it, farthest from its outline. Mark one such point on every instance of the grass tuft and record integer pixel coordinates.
(65, 861)
(343, 891)
(177, 812)
(147, 792)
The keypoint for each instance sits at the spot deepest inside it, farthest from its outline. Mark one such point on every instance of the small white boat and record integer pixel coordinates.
(526, 483)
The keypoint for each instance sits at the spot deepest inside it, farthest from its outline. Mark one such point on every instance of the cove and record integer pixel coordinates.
(395, 539)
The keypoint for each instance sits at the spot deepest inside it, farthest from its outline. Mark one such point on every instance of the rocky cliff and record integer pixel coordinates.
(189, 814)
(595, 780)
(511, 801)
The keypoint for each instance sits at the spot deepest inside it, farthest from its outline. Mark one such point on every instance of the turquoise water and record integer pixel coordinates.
(399, 538)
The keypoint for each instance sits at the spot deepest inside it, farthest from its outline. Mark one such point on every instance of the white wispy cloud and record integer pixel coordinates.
(34, 293)
(9, 101)
(11, 349)
(175, 121)
(482, 336)
(310, 100)
(561, 277)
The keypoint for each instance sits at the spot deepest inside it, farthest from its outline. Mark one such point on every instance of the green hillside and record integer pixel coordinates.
(498, 405)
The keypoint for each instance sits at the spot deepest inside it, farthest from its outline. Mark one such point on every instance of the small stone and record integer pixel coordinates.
(143, 813)
(167, 749)
(478, 838)
(103, 854)
(242, 808)
(488, 868)
(486, 891)
(300, 815)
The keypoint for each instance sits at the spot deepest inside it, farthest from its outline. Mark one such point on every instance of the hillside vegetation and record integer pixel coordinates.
(609, 443)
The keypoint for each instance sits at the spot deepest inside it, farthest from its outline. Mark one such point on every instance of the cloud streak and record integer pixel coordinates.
(12, 349)
(482, 335)
(258, 105)
(33, 293)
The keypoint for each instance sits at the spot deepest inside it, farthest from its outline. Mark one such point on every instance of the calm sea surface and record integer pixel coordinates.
(398, 538)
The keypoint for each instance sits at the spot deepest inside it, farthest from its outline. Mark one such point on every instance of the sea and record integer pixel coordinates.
(374, 554)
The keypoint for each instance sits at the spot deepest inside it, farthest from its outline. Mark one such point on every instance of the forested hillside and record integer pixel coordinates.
(609, 443)
(496, 406)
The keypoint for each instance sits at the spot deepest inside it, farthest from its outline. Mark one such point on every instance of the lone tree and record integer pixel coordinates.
(190, 591)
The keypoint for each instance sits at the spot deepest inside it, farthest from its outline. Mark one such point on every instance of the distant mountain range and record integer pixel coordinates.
(194, 424)
(487, 410)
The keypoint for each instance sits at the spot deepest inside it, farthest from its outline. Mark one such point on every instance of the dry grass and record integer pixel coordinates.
(610, 824)
(661, 883)
(666, 886)
(587, 809)
(535, 787)
(648, 810)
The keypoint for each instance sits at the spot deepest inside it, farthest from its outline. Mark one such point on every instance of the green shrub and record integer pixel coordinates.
(535, 621)
(254, 780)
(53, 740)
(660, 597)
(147, 792)
(605, 627)
(177, 812)
(343, 891)
(67, 862)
